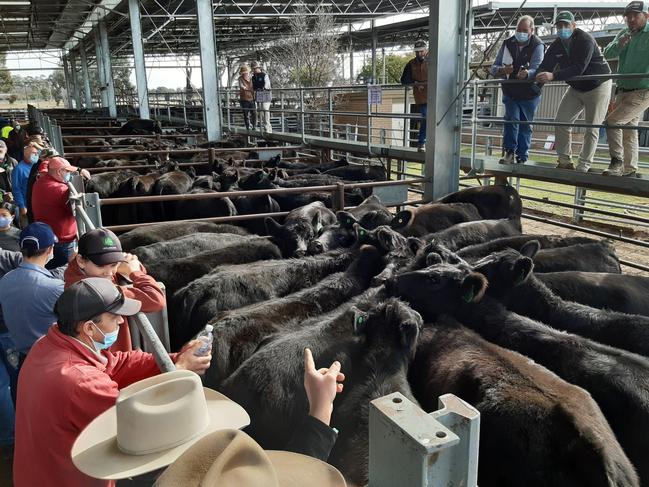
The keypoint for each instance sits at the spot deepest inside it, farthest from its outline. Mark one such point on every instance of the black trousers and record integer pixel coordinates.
(249, 114)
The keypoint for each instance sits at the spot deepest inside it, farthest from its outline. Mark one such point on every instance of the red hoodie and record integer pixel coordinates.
(145, 290)
(50, 204)
(64, 385)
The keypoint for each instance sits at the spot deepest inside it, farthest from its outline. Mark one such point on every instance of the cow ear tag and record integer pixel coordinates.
(360, 319)
(469, 295)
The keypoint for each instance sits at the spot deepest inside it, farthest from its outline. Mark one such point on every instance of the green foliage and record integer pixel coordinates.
(57, 86)
(12, 98)
(394, 64)
(6, 81)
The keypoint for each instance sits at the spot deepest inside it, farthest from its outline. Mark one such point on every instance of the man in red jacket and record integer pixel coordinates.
(69, 378)
(51, 205)
(100, 255)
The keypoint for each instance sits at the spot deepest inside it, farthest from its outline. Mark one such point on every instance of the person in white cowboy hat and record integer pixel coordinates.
(416, 73)
(247, 97)
(230, 458)
(157, 420)
(152, 423)
(69, 378)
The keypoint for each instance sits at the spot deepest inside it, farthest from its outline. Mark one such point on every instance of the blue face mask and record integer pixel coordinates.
(66, 177)
(33, 158)
(522, 37)
(565, 33)
(5, 221)
(109, 339)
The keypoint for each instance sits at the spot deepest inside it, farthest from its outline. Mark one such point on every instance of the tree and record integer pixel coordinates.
(308, 57)
(6, 81)
(46, 94)
(122, 81)
(12, 98)
(394, 64)
(57, 83)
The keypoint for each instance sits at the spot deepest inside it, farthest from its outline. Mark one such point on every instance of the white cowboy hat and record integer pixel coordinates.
(152, 423)
(230, 458)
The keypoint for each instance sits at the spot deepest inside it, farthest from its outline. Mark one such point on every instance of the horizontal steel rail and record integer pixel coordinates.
(586, 208)
(178, 151)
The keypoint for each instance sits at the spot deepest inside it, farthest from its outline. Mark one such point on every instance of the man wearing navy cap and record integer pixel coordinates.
(28, 293)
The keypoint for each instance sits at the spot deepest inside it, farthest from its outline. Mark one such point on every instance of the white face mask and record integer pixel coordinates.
(49, 257)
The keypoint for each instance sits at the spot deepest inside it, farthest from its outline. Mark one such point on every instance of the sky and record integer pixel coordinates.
(173, 77)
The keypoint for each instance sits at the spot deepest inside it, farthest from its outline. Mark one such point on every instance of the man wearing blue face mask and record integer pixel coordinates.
(20, 178)
(518, 59)
(51, 205)
(576, 53)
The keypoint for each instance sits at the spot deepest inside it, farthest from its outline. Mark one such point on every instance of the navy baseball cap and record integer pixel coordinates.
(37, 236)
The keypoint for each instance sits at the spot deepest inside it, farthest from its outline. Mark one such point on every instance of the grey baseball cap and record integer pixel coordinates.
(91, 297)
(637, 6)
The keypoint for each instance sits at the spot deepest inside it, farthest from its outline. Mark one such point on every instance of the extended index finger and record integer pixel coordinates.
(309, 364)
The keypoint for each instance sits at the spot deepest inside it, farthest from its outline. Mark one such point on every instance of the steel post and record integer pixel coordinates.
(351, 56)
(86, 76)
(66, 74)
(445, 35)
(138, 57)
(101, 78)
(76, 88)
(108, 70)
(374, 43)
(209, 69)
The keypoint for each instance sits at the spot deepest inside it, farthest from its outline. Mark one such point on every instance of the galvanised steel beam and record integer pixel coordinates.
(101, 78)
(75, 79)
(108, 70)
(86, 76)
(445, 74)
(138, 57)
(209, 70)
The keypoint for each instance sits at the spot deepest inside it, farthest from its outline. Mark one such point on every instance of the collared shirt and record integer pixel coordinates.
(64, 385)
(27, 297)
(634, 58)
(19, 179)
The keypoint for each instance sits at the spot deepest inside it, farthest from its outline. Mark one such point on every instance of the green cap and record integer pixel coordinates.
(564, 16)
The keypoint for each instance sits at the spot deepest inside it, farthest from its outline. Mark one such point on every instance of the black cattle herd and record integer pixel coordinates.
(543, 334)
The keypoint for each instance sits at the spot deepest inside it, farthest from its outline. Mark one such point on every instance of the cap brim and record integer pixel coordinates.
(296, 470)
(70, 168)
(107, 258)
(95, 452)
(128, 308)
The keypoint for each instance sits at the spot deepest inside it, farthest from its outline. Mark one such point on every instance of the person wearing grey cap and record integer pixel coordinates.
(70, 377)
(631, 47)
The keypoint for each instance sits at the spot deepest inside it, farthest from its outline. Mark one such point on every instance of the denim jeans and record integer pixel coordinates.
(62, 253)
(423, 110)
(517, 138)
(7, 373)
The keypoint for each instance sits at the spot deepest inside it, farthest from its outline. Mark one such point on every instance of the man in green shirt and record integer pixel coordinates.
(631, 47)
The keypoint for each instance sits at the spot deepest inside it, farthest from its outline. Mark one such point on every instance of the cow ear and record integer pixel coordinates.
(360, 321)
(316, 223)
(272, 227)
(409, 331)
(401, 219)
(259, 175)
(388, 239)
(529, 249)
(414, 244)
(361, 234)
(433, 259)
(346, 219)
(522, 269)
(473, 287)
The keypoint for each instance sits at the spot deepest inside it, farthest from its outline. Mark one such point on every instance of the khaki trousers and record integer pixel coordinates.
(263, 114)
(594, 104)
(629, 108)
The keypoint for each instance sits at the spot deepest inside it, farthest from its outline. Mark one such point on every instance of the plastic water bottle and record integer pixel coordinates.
(206, 337)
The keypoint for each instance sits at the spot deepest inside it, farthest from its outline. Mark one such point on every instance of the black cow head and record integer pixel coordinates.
(389, 326)
(294, 236)
(434, 253)
(257, 180)
(402, 219)
(507, 268)
(438, 289)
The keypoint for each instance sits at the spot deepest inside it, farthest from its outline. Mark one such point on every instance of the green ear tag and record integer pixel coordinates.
(468, 296)
(362, 233)
(360, 319)
(349, 221)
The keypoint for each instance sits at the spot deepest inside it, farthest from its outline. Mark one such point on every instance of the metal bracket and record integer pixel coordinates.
(410, 447)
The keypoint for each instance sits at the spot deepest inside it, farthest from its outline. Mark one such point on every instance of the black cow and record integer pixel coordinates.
(433, 217)
(470, 233)
(364, 342)
(536, 430)
(370, 214)
(590, 257)
(238, 333)
(187, 245)
(178, 272)
(493, 202)
(234, 286)
(300, 227)
(106, 184)
(512, 282)
(617, 380)
(208, 208)
(174, 182)
(159, 232)
(140, 126)
(619, 292)
(356, 172)
(516, 242)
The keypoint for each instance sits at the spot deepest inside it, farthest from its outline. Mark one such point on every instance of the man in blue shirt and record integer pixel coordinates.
(518, 59)
(20, 178)
(28, 293)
